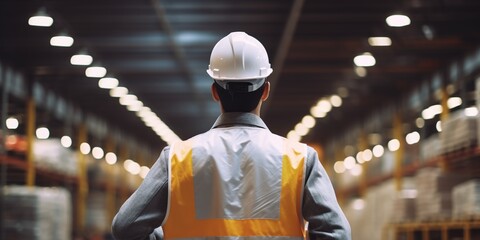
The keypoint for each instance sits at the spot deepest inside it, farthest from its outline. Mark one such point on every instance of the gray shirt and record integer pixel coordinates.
(142, 215)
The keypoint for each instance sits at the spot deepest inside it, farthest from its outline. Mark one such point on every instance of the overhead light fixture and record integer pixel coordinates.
(127, 99)
(81, 59)
(108, 83)
(364, 60)
(61, 40)
(379, 41)
(111, 158)
(95, 72)
(42, 133)
(336, 101)
(12, 123)
(66, 141)
(360, 71)
(40, 19)
(398, 20)
(118, 92)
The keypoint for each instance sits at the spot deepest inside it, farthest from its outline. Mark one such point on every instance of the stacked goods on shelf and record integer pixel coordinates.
(37, 213)
(458, 131)
(466, 200)
(434, 201)
(430, 147)
(368, 216)
(404, 202)
(51, 156)
(97, 220)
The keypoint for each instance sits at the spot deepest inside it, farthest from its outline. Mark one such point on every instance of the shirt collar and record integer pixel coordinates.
(239, 118)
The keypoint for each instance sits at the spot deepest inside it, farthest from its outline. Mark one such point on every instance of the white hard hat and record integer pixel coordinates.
(239, 57)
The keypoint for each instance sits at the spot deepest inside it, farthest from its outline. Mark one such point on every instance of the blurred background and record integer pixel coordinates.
(386, 91)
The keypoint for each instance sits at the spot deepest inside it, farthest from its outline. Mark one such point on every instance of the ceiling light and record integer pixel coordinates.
(438, 126)
(42, 133)
(95, 72)
(393, 145)
(359, 157)
(339, 167)
(378, 151)
(398, 20)
(61, 40)
(97, 153)
(317, 112)
(364, 60)
(40, 19)
(118, 92)
(454, 102)
(432, 111)
(379, 41)
(111, 158)
(361, 71)
(412, 138)
(367, 155)
(349, 162)
(471, 111)
(108, 83)
(66, 141)
(324, 105)
(12, 123)
(135, 106)
(292, 135)
(81, 59)
(85, 148)
(358, 204)
(301, 130)
(336, 101)
(127, 99)
(308, 121)
(419, 122)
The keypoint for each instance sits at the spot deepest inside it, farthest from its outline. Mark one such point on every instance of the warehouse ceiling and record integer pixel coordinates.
(160, 50)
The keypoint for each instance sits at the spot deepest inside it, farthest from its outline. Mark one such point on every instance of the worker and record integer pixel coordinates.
(237, 180)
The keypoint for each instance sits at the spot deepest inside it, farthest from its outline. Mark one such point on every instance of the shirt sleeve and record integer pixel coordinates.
(326, 219)
(141, 215)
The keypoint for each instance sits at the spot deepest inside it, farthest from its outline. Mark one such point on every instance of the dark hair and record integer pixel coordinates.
(238, 101)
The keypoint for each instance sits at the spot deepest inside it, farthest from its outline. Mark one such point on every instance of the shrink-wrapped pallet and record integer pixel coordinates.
(430, 147)
(434, 200)
(466, 200)
(37, 213)
(459, 131)
(50, 155)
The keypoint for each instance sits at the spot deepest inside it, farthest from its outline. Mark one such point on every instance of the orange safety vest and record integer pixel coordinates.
(182, 220)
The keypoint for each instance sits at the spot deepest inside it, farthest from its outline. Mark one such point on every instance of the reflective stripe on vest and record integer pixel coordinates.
(218, 190)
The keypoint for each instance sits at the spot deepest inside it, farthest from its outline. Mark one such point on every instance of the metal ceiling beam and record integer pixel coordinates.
(179, 54)
(283, 47)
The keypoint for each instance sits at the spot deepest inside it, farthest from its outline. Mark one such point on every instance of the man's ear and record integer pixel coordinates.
(266, 91)
(215, 93)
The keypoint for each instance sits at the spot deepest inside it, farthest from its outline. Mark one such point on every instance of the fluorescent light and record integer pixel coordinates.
(95, 72)
(393, 145)
(40, 21)
(66, 141)
(398, 20)
(61, 41)
(336, 101)
(308, 121)
(412, 138)
(135, 106)
(432, 111)
(379, 41)
(364, 60)
(111, 158)
(97, 153)
(12, 123)
(471, 111)
(454, 102)
(85, 148)
(118, 92)
(81, 59)
(42, 133)
(339, 167)
(127, 99)
(108, 83)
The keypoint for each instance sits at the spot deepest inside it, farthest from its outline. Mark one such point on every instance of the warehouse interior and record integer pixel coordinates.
(387, 92)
